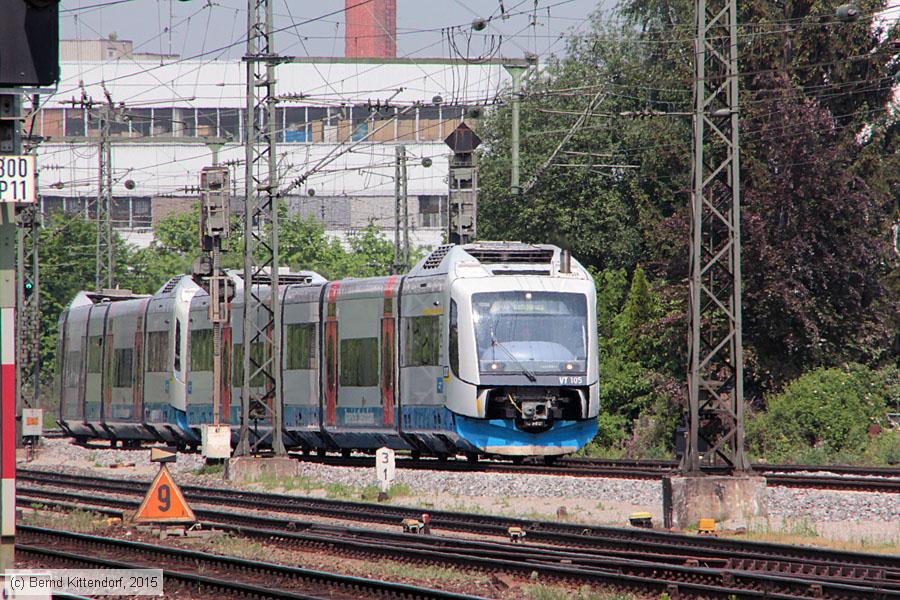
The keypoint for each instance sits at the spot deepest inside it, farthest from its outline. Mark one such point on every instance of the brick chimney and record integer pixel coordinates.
(371, 30)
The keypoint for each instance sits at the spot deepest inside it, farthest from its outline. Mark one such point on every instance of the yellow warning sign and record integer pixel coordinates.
(164, 503)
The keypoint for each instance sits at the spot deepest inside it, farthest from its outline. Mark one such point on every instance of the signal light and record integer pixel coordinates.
(29, 288)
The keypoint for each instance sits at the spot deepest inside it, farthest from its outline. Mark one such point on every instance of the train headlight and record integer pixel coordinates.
(569, 366)
(495, 366)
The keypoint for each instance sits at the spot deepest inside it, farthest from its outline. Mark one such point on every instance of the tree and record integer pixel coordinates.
(814, 249)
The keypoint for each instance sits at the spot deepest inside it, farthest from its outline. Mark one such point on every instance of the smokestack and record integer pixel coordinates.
(371, 30)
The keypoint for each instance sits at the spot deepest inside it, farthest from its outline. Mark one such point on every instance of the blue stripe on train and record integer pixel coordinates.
(501, 436)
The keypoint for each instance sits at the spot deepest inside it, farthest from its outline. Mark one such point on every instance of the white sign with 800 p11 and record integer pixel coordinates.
(17, 179)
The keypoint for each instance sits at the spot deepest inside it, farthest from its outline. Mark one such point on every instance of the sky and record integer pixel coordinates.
(216, 28)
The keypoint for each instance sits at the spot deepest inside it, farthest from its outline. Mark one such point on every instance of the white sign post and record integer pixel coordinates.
(17, 179)
(385, 467)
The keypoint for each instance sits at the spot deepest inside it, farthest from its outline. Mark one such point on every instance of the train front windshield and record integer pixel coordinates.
(531, 332)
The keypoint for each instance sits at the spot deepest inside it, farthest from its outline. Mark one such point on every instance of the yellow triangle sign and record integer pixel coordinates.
(164, 503)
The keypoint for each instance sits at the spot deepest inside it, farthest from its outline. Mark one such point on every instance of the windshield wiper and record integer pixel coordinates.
(529, 374)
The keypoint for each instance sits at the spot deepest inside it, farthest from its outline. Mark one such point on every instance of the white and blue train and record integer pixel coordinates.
(484, 349)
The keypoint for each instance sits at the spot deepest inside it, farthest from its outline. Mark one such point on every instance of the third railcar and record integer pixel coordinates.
(487, 348)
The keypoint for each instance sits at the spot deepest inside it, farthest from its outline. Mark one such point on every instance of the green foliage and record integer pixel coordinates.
(68, 258)
(822, 416)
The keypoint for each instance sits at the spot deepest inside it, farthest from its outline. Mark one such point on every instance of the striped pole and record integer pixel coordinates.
(7, 382)
(9, 131)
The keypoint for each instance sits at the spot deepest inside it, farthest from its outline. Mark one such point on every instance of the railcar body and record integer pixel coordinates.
(488, 348)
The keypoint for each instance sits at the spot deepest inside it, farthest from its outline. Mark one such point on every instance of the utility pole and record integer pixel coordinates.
(397, 206)
(262, 319)
(105, 267)
(28, 314)
(404, 188)
(715, 350)
(516, 72)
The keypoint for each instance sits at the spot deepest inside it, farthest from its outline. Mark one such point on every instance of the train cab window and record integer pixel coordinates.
(95, 351)
(177, 346)
(454, 338)
(301, 346)
(359, 362)
(123, 367)
(157, 347)
(202, 350)
(423, 336)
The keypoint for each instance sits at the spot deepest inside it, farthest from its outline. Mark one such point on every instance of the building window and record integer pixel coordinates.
(230, 123)
(423, 336)
(74, 122)
(431, 213)
(359, 362)
(207, 122)
(157, 347)
(123, 368)
(301, 346)
(201, 350)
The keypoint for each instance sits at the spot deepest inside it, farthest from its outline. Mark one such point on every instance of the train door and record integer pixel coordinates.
(95, 351)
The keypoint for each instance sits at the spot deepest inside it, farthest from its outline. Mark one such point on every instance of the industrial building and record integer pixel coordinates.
(175, 116)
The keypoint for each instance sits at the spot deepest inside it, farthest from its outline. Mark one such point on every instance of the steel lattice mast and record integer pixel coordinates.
(105, 266)
(262, 319)
(715, 351)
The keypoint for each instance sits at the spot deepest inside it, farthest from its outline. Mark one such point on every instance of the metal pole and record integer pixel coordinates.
(250, 125)
(715, 348)
(10, 143)
(516, 73)
(397, 201)
(262, 318)
(405, 198)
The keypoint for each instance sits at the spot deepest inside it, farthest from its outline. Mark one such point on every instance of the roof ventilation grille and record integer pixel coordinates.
(435, 258)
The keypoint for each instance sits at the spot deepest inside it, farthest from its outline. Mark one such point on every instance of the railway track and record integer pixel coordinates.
(861, 479)
(592, 551)
(205, 574)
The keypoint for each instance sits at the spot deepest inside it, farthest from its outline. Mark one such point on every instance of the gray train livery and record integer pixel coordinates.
(484, 349)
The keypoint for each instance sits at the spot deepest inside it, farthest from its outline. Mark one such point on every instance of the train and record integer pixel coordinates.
(483, 349)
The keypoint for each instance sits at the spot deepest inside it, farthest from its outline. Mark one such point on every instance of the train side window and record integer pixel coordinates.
(301, 346)
(177, 346)
(423, 336)
(201, 350)
(237, 365)
(359, 362)
(157, 344)
(95, 351)
(123, 367)
(454, 338)
(73, 369)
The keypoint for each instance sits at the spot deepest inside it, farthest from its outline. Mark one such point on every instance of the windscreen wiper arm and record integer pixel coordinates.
(529, 374)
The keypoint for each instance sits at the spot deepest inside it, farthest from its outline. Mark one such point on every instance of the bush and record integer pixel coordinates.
(822, 416)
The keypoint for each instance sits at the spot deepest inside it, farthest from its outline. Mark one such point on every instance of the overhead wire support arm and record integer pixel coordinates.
(598, 97)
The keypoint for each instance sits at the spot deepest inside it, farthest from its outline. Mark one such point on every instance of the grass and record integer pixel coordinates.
(802, 532)
(545, 592)
(210, 469)
(336, 491)
(394, 571)
(231, 545)
(83, 521)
